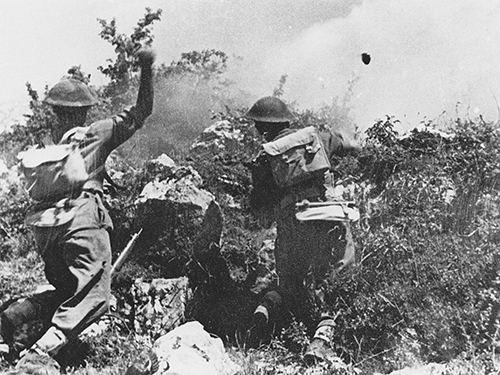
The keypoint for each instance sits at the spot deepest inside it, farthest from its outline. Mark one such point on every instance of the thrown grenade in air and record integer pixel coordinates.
(365, 57)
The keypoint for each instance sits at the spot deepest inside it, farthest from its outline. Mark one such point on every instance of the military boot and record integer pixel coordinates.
(261, 325)
(265, 316)
(320, 349)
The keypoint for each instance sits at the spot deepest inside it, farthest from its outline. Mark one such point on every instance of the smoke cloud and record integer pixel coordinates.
(426, 57)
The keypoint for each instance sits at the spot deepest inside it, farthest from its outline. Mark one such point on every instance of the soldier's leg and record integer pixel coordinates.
(293, 260)
(87, 255)
(277, 305)
(89, 260)
(85, 252)
(336, 250)
(36, 310)
(271, 304)
(25, 320)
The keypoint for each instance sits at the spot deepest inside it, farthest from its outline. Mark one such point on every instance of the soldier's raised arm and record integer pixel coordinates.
(144, 104)
(132, 118)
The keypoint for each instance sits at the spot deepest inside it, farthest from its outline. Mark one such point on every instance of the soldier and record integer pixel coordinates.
(72, 233)
(304, 251)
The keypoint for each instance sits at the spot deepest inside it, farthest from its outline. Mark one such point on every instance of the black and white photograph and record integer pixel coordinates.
(250, 187)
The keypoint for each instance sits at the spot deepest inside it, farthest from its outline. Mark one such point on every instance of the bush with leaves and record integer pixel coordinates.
(427, 246)
(428, 258)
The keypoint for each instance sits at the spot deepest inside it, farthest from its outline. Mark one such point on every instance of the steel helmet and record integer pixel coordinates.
(71, 92)
(269, 109)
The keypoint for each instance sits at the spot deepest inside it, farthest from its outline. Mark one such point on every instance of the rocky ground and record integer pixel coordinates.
(198, 269)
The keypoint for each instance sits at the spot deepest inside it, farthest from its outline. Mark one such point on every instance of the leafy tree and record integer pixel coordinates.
(119, 70)
(205, 64)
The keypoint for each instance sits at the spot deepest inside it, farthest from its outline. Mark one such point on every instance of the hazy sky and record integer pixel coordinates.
(427, 55)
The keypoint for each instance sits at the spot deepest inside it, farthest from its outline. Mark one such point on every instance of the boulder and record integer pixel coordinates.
(170, 209)
(164, 168)
(222, 135)
(162, 164)
(182, 192)
(221, 152)
(190, 350)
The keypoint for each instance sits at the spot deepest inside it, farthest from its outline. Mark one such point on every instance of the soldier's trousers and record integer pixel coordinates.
(306, 253)
(77, 258)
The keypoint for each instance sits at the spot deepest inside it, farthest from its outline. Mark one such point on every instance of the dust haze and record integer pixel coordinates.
(429, 59)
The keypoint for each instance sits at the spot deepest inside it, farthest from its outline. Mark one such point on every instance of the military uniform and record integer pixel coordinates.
(72, 236)
(305, 252)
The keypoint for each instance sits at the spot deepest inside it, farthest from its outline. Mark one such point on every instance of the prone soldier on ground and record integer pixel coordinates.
(69, 221)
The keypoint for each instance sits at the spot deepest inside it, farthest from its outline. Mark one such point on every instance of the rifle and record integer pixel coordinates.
(125, 253)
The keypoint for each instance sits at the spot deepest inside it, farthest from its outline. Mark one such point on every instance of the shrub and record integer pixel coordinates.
(428, 258)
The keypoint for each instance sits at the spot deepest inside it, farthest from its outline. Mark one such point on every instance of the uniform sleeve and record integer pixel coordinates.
(117, 129)
(333, 143)
(124, 126)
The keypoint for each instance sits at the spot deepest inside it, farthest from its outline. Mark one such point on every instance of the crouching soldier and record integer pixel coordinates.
(70, 223)
(293, 166)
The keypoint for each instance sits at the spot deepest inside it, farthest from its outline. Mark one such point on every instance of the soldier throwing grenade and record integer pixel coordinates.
(293, 166)
(70, 223)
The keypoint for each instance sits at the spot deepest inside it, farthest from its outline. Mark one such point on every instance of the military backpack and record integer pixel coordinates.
(56, 171)
(297, 157)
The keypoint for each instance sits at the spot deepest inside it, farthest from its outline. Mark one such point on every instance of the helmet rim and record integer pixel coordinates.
(270, 109)
(70, 92)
